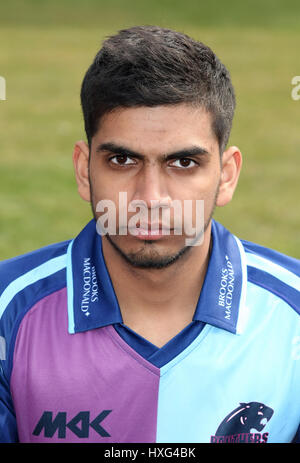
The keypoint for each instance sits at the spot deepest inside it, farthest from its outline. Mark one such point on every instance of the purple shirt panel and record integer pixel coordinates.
(84, 387)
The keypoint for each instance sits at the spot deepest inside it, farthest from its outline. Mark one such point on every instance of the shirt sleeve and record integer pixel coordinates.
(8, 425)
(8, 316)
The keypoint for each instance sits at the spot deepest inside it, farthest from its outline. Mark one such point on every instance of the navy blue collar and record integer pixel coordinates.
(92, 302)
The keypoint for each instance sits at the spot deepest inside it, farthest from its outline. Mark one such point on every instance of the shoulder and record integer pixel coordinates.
(18, 265)
(274, 271)
(33, 265)
(271, 256)
(25, 278)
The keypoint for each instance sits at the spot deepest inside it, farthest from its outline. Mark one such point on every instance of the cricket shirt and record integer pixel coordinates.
(72, 371)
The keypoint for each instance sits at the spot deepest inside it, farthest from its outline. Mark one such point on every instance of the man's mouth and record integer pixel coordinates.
(147, 231)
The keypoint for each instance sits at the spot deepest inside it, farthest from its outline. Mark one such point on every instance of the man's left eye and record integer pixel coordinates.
(184, 163)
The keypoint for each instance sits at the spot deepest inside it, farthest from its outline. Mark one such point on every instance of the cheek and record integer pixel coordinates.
(106, 183)
(101, 184)
(203, 187)
(207, 192)
(101, 192)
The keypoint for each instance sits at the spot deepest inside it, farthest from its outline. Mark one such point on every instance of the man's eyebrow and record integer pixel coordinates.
(118, 149)
(187, 152)
(124, 151)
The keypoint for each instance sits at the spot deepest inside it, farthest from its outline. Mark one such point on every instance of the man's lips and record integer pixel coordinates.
(150, 231)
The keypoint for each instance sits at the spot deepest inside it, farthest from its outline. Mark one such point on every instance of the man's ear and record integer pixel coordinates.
(231, 167)
(81, 167)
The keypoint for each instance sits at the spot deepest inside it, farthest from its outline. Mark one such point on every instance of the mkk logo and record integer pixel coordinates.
(238, 424)
(80, 425)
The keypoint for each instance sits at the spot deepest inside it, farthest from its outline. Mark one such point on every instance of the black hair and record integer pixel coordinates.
(152, 66)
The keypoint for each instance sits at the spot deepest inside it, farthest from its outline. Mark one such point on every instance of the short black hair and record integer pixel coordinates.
(152, 66)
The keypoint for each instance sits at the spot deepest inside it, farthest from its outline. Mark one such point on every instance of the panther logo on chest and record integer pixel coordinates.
(240, 423)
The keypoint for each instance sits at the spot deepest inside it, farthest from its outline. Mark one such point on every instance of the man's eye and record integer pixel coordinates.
(121, 160)
(184, 163)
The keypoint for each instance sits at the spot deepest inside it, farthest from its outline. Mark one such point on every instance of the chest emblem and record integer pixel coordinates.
(240, 424)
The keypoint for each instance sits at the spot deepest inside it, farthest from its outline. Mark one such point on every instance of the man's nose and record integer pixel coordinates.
(151, 188)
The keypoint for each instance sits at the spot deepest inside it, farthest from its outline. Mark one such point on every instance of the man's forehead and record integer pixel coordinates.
(164, 115)
(166, 128)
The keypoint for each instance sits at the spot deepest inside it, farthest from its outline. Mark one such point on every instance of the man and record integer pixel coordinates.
(140, 335)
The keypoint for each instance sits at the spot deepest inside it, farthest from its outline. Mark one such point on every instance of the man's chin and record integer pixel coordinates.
(148, 256)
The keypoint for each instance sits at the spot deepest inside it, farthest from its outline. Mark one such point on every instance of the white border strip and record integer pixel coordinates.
(274, 269)
(70, 290)
(2, 348)
(243, 309)
(38, 273)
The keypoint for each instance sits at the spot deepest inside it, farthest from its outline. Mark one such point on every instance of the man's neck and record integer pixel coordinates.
(158, 303)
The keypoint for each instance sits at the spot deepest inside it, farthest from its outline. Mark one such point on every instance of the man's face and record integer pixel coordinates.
(155, 155)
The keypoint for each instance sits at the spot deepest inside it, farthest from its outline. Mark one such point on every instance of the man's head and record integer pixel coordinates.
(151, 66)
(158, 109)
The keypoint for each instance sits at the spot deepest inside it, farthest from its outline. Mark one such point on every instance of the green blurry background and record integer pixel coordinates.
(45, 49)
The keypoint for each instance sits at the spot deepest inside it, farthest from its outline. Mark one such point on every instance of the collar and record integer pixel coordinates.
(92, 302)
(222, 298)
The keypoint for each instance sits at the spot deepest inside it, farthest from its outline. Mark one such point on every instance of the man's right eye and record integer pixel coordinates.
(121, 160)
